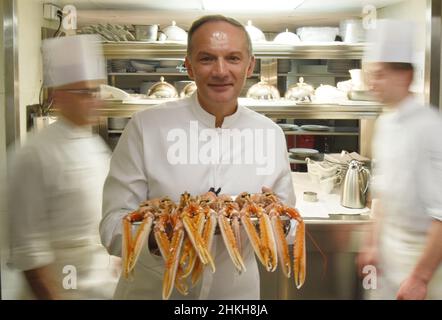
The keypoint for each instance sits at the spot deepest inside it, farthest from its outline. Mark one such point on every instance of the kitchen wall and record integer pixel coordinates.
(412, 10)
(30, 21)
(2, 149)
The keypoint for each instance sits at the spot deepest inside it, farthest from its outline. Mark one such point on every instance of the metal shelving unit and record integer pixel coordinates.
(175, 50)
(268, 53)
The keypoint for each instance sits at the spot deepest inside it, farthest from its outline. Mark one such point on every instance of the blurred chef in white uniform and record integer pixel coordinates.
(406, 243)
(161, 153)
(57, 179)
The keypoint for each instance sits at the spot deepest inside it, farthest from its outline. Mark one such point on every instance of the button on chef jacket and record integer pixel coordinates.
(407, 149)
(143, 167)
(55, 209)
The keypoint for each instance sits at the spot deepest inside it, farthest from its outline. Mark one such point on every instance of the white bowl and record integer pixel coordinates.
(317, 34)
(287, 37)
(175, 33)
(256, 35)
(143, 66)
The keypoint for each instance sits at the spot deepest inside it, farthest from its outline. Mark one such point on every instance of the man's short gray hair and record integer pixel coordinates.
(216, 18)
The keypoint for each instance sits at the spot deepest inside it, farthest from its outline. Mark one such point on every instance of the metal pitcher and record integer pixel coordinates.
(355, 186)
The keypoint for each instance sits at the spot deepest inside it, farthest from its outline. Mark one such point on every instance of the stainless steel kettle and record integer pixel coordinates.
(355, 186)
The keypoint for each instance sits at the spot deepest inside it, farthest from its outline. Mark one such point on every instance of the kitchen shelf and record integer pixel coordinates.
(336, 75)
(139, 74)
(334, 131)
(153, 50)
(118, 108)
(135, 74)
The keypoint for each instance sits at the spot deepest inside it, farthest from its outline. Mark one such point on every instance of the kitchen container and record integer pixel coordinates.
(117, 123)
(146, 32)
(188, 90)
(287, 37)
(300, 91)
(256, 35)
(174, 33)
(162, 90)
(355, 186)
(352, 31)
(317, 34)
(263, 91)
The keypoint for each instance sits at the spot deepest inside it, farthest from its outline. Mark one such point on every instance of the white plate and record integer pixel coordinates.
(288, 126)
(301, 152)
(314, 127)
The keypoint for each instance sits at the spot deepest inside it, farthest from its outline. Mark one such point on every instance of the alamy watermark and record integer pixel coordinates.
(223, 146)
(70, 280)
(369, 17)
(370, 280)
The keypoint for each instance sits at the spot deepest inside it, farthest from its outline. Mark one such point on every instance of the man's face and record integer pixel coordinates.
(219, 62)
(79, 105)
(386, 83)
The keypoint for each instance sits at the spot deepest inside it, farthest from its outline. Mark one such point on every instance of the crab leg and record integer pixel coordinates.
(230, 240)
(268, 243)
(172, 260)
(252, 234)
(299, 254)
(198, 242)
(281, 243)
(208, 234)
(189, 255)
(163, 243)
(132, 246)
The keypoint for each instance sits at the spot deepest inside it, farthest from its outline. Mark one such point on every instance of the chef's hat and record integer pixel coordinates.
(390, 41)
(72, 59)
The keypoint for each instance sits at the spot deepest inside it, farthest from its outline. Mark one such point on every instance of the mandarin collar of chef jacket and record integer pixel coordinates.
(209, 119)
(407, 107)
(72, 131)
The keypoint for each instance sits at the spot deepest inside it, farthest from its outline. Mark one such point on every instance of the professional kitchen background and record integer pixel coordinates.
(24, 26)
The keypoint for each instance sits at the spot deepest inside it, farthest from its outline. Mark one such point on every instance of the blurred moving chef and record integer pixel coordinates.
(406, 243)
(162, 150)
(57, 179)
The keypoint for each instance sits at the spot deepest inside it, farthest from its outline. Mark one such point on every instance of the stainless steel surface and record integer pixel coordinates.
(315, 111)
(359, 95)
(433, 53)
(300, 91)
(263, 91)
(10, 42)
(188, 89)
(162, 89)
(144, 50)
(355, 185)
(146, 32)
(333, 278)
(269, 71)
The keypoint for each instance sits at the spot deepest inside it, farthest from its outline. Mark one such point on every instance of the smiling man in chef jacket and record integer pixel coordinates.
(205, 141)
(406, 243)
(57, 179)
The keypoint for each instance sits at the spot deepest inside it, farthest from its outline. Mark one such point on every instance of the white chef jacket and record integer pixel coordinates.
(55, 209)
(407, 149)
(140, 169)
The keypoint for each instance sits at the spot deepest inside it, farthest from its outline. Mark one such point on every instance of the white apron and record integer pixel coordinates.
(400, 251)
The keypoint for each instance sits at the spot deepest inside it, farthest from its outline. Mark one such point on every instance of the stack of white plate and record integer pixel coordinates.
(288, 126)
(315, 127)
(143, 66)
(119, 65)
(302, 153)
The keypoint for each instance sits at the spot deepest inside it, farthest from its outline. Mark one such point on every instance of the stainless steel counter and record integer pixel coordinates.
(333, 278)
